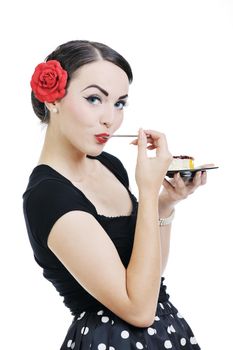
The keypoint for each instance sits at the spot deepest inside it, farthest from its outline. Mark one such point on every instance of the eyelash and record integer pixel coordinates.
(90, 100)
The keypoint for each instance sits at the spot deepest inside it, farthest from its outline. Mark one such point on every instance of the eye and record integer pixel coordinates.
(120, 104)
(93, 99)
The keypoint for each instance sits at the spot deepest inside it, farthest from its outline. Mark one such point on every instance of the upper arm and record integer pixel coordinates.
(84, 248)
(59, 218)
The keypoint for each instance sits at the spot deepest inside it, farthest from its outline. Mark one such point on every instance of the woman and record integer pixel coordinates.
(103, 250)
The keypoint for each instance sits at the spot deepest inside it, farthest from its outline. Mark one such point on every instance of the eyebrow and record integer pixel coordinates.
(102, 90)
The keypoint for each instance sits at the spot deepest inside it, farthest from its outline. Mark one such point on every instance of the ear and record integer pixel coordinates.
(52, 107)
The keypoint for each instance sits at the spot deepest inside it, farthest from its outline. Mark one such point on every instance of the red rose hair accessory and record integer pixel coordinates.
(49, 81)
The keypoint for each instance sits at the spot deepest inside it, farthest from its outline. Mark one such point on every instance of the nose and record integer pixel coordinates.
(108, 125)
(107, 117)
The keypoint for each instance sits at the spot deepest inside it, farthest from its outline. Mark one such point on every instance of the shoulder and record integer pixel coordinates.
(46, 199)
(45, 183)
(55, 196)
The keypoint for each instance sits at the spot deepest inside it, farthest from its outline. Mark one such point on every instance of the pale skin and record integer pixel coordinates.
(172, 193)
(132, 292)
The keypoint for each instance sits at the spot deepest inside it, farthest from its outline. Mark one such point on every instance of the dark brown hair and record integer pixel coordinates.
(75, 54)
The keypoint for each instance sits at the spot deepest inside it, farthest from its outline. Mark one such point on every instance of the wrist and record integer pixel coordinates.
(167, 220)
(165, 210)
(148, 193)
(166, 206)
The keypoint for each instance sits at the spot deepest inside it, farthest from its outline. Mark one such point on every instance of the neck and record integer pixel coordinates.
(58, 153)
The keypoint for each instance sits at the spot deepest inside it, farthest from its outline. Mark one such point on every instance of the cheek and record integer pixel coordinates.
(75, 110)
(118, 121)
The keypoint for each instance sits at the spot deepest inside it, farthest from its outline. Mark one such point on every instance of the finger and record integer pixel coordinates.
(151, 147)
(168, 185)
(159, 139)
(149, 140)
(153, 134)
(134, 142)
(203, 178)
(179, 182)
(197, 179)
(142, 144)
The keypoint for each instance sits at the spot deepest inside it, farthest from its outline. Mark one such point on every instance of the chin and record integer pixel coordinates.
(95, 152)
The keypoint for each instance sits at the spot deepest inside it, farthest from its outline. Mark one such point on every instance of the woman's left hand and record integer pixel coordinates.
(177, 189)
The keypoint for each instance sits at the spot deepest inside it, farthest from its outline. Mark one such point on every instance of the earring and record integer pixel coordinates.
(54, 110)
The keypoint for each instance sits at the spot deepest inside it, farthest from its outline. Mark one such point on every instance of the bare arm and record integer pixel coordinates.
(85, 249)
(173, 193)
(143, 274)
(165, 238)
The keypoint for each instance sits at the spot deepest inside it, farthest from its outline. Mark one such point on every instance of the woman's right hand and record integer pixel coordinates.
(150, 171)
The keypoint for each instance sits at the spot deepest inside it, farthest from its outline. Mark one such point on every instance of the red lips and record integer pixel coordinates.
(102, 138)
(103, 135)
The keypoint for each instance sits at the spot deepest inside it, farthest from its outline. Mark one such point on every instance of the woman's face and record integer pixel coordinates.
(93, 105)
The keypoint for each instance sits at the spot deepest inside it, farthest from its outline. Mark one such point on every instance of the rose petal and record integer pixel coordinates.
(49, 81)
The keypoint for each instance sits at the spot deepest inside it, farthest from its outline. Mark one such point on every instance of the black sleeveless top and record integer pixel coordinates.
(48, 196)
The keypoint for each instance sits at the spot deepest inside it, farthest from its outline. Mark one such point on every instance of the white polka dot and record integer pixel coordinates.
(169, 305)
(112, 322)
(124, 334)
(171, 315)
(183, 341)
(179, 315)
(193, 340)
(151, 331)
(139, 345)
(81, 315)
(100, 312)
(84, 330)
(167, 344)
(102, 346)
(111, 348)
(69, 343)
(157, 318)
(161, 305)
(104, 319)
(172, 328)
(73, 345)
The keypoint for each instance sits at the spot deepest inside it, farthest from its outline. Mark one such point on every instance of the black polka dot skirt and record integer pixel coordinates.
(102, 330)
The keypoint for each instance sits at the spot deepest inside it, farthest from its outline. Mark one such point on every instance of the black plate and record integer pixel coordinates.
(188, 174)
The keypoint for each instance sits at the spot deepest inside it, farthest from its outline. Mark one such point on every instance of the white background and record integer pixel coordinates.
(182, 58)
